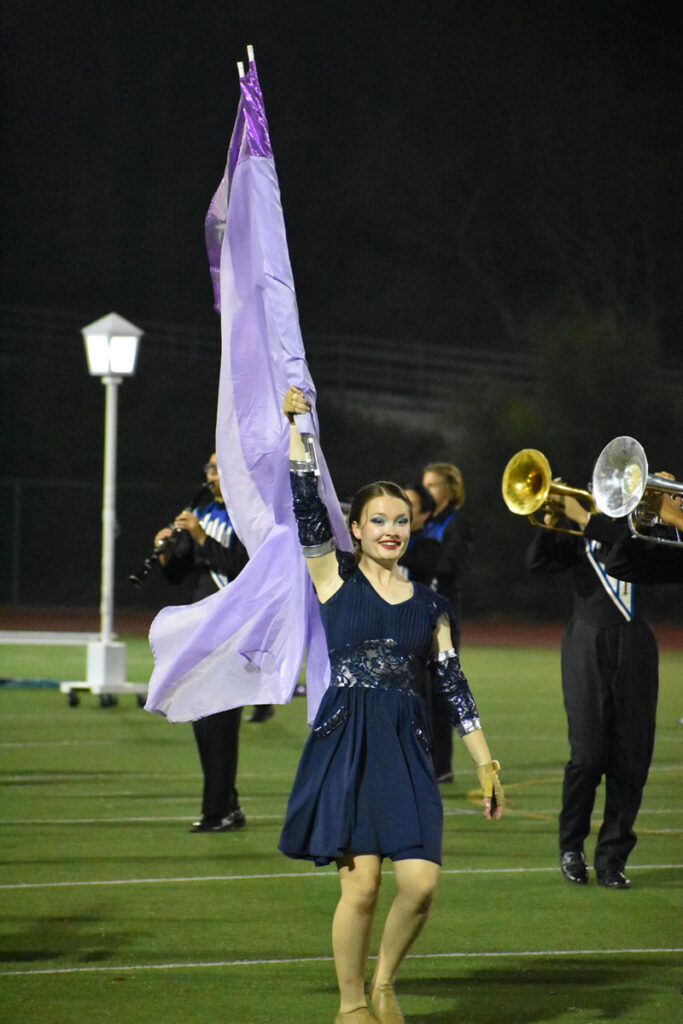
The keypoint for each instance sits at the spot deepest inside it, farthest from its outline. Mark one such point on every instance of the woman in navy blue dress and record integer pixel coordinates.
(365, 787)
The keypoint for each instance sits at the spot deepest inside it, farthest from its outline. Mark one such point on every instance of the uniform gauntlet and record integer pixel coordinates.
(449, 680)
(312, 520)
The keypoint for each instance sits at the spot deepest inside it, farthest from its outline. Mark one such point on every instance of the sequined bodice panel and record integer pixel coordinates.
(374, 643)
(376, 665)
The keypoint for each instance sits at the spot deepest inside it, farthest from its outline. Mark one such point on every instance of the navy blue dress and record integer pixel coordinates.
(365, 782)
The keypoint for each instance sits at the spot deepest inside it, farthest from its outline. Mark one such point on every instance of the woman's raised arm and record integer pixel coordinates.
(315, 531)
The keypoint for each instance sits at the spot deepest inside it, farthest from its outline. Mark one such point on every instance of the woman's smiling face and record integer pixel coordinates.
(384, 528)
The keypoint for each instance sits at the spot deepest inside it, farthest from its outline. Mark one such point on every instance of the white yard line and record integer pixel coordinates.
(319, 873)
(497, 954)
(531, 814)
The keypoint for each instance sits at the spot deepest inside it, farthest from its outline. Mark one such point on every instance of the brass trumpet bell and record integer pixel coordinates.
(526, 482)
(528, 486)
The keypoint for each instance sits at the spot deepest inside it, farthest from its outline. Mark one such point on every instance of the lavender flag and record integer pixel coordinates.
(245, 644)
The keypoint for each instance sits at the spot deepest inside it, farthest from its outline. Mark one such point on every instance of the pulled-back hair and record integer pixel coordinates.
(453, 477)
(427, 503)
(375, 490)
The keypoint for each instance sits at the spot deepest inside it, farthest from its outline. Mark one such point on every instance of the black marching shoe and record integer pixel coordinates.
(229, 823)
(261, 713)
(573, 866)
(612, 878)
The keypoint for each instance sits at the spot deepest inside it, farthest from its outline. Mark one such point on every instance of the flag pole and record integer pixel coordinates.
(250, 58)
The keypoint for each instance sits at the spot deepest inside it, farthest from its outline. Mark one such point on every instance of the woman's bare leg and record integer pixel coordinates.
(416, 882)
(360, 878)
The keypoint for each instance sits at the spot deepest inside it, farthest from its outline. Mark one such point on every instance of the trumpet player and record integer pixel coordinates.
(609, 667)
(643, 562)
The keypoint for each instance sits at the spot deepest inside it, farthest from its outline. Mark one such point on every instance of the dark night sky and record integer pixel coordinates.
(442, 165)
(462, 173)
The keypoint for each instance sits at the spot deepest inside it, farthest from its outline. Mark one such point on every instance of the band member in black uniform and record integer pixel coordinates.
(609, 684)
(642, 561)
(206, 547)
(448, 526)
(422, 554)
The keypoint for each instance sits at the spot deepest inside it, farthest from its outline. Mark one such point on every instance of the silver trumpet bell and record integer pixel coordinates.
(620, 482)
(620, 477)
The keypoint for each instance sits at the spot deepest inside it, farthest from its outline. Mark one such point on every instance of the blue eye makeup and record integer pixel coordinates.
(379, 520)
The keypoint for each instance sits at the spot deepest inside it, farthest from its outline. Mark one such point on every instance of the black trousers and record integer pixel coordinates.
(217, 739)
(609, 684)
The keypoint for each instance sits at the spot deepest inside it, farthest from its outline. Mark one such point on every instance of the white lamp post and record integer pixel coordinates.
(111, 345)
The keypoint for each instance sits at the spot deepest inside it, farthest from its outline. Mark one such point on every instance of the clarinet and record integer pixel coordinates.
(167, 543)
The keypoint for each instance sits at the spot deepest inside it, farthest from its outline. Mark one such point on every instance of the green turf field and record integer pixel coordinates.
(114, 911)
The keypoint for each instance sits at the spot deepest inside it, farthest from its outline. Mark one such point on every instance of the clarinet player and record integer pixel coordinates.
(202, 544)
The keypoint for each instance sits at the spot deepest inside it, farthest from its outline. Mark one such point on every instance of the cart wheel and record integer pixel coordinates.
(72, 699)
(108, 700)
(141, 701)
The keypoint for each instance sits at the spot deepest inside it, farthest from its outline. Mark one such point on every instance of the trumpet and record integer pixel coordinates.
(528, 486)
(621, 483)
(167, 543)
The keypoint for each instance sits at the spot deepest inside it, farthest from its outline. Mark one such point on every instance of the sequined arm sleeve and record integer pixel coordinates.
(312, 520)
(450, 681)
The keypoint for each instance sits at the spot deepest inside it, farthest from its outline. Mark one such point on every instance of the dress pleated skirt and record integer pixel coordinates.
(365, 782)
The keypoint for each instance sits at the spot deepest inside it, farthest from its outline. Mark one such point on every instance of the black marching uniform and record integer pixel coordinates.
(213, 564)
(609, 684)
(453, 534)
(642, 561)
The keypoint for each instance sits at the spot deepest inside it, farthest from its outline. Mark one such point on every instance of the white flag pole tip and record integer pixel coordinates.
(250, 53)
(240, 69)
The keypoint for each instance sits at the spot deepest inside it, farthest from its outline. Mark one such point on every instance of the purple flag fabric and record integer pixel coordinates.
(246, 643)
